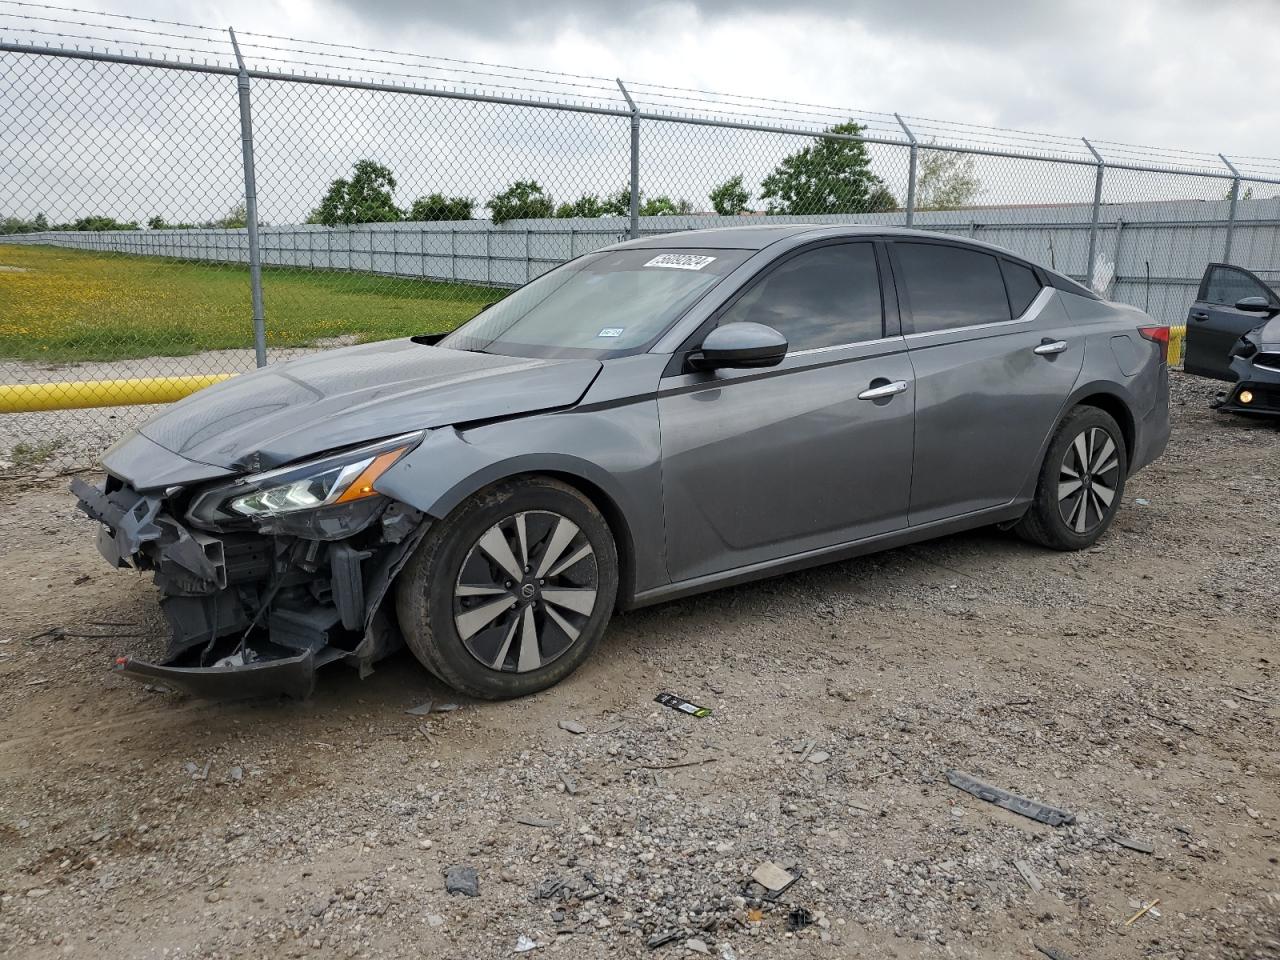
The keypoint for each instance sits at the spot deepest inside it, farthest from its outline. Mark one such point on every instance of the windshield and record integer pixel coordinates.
(600, 305)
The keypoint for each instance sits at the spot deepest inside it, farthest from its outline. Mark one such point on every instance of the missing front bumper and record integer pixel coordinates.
(257, 614)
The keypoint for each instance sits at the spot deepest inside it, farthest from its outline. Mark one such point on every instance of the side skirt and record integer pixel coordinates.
(816, 558)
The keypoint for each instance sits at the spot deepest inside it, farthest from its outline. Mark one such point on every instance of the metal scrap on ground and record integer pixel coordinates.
(1034, 809)
(684, 706)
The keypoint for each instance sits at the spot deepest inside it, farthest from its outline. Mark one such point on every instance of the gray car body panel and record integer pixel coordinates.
(343, 397)
(706, 477)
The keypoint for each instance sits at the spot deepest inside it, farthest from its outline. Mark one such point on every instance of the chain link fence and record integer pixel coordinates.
(179, 204)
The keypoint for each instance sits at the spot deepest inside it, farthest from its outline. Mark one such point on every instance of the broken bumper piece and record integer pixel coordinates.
(255, 611)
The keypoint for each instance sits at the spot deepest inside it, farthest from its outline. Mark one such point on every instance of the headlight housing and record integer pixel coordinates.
(337, 479)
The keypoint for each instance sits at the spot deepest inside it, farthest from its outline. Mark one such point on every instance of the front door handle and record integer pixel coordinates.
(1197, 315)
(1048, 348)
(884, 390)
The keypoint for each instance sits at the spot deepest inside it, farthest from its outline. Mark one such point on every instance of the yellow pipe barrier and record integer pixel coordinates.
(82, 394)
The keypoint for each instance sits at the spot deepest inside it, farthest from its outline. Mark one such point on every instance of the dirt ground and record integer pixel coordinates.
(1135, 684)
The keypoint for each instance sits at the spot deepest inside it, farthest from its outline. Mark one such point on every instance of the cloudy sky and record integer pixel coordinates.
(1178, 73)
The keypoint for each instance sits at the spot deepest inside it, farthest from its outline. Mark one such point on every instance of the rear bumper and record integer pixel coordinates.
(1153, 427)
(256, 614)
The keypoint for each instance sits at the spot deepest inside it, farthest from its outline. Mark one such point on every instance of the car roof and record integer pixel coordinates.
(758, 236)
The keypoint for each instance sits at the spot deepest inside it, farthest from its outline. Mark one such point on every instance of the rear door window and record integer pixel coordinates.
(823, 297)
(950, 287)
(1022, 285)
(1225, 285)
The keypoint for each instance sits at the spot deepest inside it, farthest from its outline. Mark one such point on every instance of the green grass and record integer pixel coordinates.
(67, 305)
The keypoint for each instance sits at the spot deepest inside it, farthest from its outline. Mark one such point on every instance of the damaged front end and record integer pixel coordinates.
(268, 577)
(1255, 361)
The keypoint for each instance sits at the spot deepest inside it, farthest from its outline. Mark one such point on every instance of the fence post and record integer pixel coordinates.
(251, 211)
(911, 172)
(1097, 207)
(635, 162)
(1231, 214)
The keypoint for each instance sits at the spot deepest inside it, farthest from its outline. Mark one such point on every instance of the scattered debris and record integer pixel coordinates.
(1142, 501)
(1032, 809)
(1133, 843)
(674, 766)
(447, 707)
(697, 946)
(755, 915)
(684, 706)
(818, 756)
(570, 785)
(1148, 907)
(462, 879)
(660, 939)
(1053, 953)
(525, 944)
(573, 726)
(798, 919)
(422, 709)
(529, 821)
(1029, 875)
(772, 877)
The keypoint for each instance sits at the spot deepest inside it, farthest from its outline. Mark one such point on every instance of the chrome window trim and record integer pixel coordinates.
(842, 346)
(1034, 309)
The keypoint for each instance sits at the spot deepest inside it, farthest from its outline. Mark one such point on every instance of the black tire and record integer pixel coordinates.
(1055, 518)
(431, 596)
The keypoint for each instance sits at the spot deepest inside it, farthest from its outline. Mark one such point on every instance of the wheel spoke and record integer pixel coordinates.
(506, 644)
(522, 537)
(580, 554)
(1068, 471)
(1108, 448)
(1082, 453)
(579, 601)
(1104, 494)
(475, 590)
(1067, 488)
(1108, 466)
(570, 630)
(1082, 514)
(473, 621)
(494, 543)
(530, 655)
(561, 537)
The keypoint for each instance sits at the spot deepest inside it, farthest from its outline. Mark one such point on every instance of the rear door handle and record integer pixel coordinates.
(884, 390)
(1049, 347)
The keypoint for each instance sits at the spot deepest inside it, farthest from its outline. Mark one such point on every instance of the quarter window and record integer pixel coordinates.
(949, 287)
(819, 298)
(1227, 285)
(1021, 283)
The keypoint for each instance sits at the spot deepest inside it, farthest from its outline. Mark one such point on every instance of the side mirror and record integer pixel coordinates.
(1254, 305)
(741, 345)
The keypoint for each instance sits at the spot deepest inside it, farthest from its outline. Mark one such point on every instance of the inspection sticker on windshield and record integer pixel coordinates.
(680, 261)
(611, 332)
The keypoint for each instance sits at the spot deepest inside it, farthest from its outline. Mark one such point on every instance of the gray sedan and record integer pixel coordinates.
(655, 419)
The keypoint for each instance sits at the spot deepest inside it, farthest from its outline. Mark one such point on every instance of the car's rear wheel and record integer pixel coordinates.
(1081, 482)
(510, 593)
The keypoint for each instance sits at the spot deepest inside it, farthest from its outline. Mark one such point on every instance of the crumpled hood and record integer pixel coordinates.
(348, 396)
(1267, 336)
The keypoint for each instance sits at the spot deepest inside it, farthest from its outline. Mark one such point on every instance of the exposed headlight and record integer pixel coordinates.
(340, 478)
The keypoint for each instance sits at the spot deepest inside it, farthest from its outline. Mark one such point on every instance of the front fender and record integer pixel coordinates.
(614, 451)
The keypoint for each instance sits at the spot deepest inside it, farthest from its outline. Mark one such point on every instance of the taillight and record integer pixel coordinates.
(1158, 335)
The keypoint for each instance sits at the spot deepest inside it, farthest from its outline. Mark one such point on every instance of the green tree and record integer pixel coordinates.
(100, 222)
(437, 206)
(618, 204)
(663, 206)
(523, 200)
(19, 225)
(365, 198)
(731, 197)
(829, 176)
(946, 181)
(237, 218)
(587, 205)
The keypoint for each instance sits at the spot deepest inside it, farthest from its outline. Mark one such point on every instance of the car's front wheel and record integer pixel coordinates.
(1081, 482)
(510, 593)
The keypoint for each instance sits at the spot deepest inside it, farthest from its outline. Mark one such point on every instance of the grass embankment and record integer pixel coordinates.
(66, 305)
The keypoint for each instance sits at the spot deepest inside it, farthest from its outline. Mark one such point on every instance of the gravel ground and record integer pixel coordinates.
(1134, 684)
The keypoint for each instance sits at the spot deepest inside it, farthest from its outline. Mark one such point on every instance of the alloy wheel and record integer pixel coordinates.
(1088, 479)
(525, 591)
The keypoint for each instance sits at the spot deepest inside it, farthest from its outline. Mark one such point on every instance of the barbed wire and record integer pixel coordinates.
(296, 54)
